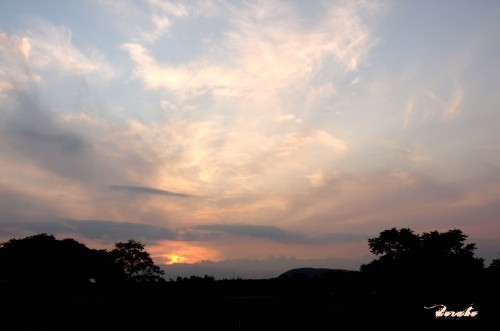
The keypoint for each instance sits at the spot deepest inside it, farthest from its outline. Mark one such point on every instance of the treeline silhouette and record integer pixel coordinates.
(51, 284)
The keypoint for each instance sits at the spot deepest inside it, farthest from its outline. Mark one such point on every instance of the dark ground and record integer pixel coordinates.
(328, 304)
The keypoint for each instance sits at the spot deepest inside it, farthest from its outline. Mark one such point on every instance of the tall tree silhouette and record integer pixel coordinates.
(136, 262)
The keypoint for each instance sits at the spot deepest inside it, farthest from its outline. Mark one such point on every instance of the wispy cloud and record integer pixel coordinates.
(416, 155)
(14, 55)
(452, 107)
(148, 190)
(36, 55)
(429, 106)
(147, 21)
(255, 120)
(267, 49)
(162, 13)
(47, 46)
(409, 110)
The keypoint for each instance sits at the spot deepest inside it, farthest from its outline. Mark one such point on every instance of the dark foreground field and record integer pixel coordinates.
(192, 304)
(430, 281)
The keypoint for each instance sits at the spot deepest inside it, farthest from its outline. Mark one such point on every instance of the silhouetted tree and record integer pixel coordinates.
(495, 265)
(404, 255)
(393, 243)
(448, 251)
(136, 262)
(397, 246)
(44, 261)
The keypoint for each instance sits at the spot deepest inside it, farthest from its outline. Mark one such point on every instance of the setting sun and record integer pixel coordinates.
(172, 258)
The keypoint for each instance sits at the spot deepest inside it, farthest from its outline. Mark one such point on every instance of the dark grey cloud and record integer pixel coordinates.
(97, 229)
(30, 132)
(257, 231)
(148, 190)
(64, 143)
(272, 233)
(113, 231)
(18, 205)
(92, 229)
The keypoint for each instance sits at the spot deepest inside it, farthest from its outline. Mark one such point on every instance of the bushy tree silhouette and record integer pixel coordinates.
(495, 265)
(136, 262)
(393, 243)
(44, 261)
(396, 247)
(426, 258)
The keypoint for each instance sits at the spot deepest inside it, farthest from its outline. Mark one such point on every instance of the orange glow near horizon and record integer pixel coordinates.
(171, 252)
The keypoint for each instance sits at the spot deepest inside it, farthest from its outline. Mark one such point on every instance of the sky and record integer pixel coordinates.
(256, 135)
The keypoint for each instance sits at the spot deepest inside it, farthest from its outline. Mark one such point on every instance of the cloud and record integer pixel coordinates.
(48, 47)
(237, 126)
(58, 165)
(275, 234)
(148, 190)
(32, 133)
(109, 231)
(317, 179)
(69, 146)
(240, 124)
(161, 14)
(266, 49)
(409, 110)
(52, 47)
(493, 147)
(368, 203)
(147, 21)
(431, 106)
(258, 231)
(35, 133)
(14, 55)
(452, 107)
(416, 155)
(222, 160)
(23, 203)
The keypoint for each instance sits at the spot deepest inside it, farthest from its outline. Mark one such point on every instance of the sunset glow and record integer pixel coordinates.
(170, 252)
(172, 258)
